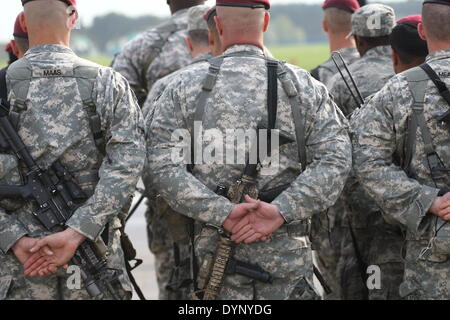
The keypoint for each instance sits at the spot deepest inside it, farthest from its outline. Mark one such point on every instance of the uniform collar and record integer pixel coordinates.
(244, 47)
(54, 48)
(202, 57)
(438, 55)
(180, 13)
(347, 50)
(381, 51)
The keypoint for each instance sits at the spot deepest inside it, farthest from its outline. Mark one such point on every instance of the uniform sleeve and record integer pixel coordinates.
(184, 193)
(11, 229)
(124, 161)
(374, 140)
(329, 148)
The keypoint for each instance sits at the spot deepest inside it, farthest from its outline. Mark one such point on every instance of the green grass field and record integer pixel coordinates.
(305, 56)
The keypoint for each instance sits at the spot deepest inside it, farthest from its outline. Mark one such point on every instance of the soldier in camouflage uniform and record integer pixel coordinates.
(329, 233)
(374, 240)
(371, 27)
(402, 156)
(239, 101)
(198, 45)
(337, 25)
(54, 123)
(146, 59)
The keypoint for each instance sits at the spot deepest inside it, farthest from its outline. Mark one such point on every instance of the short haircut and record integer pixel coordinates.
(406, 42)
(199, 37)
(22, 43)
(339, 21)
(436, 21)
(377, 41)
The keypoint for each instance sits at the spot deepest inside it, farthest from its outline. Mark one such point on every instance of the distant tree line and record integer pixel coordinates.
(291, 24)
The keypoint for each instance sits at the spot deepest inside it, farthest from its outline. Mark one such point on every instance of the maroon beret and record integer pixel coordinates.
(19, 31)
(446, 2)
(211, 12)
(244, 3)
(347, 5)
(68, 2)
(412, 20)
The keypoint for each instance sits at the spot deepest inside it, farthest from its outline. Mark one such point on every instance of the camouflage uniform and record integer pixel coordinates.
(160, 241)
(239, 103)
(327, 70)
(376, 241)
(371, 72)
(148, 58)
(144, 61)
(380, 142)
(55, 126)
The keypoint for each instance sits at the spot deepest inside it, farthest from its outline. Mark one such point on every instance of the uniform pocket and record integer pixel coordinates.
(5, 285)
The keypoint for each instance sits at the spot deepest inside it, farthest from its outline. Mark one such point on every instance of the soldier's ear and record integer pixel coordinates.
(22, 22)
(266, 21)
(218, 25)
(422, 33)
(325, 26)
(189, 45)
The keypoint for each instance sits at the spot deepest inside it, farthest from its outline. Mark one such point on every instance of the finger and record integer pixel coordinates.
(47, 251)
(245, 236)
(66, 266)
(250, 199)
(241, 224)
(251, 206)
(447, 217)
(241, 232)
(444, 212)
(257, 237)
(34, 268)
(39, 244)
(43, 270)
(31, 260)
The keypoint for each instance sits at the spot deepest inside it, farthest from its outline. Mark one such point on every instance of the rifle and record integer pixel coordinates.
(356, 96)
(58, 196)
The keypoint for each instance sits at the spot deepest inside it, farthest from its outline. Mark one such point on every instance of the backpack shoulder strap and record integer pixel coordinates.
(299, 121)
(86, 76)
(208, 85)
(418, 82)
(19, 77)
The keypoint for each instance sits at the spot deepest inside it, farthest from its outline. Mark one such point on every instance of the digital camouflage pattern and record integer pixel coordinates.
(56, 126)
(379, 144)
(373, 20)
(143, 63)
(160, 242)
(240, 103)
(377, 242)
(328, 69)
(371, 72)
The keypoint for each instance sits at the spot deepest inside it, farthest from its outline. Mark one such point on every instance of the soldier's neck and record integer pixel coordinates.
(40, 40)
(434, 46)
(338, 42)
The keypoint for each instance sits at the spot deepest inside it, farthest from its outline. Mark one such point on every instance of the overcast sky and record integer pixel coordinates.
(90, 8)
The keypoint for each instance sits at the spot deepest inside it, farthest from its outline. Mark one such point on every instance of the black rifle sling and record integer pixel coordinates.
(3, 88)
(272, 93)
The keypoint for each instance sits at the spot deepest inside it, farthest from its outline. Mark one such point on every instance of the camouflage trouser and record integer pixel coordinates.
(334, 254)
(286, 256)
(161, 246)
(426, 278)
